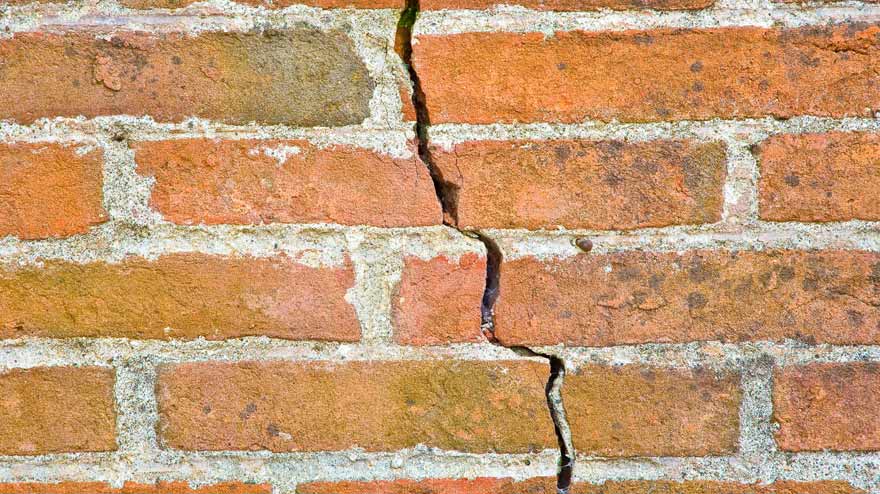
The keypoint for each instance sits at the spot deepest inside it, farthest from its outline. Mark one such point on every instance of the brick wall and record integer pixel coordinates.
(439, 247)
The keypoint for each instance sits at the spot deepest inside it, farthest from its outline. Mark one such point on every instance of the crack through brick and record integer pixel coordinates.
(447, 196)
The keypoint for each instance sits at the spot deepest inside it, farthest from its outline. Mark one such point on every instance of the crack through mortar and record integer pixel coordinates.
(447, 195)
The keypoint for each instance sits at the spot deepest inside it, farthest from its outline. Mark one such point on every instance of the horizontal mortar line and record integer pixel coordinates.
(265, 465)
(27, 18)
(33, 352)
(715, 354)
(848, 235)
(750, 130)
(522, 20)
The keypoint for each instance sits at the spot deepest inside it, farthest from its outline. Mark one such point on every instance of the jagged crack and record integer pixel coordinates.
(447, 195)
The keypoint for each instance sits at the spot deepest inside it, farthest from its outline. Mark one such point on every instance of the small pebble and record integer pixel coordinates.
(584, 244)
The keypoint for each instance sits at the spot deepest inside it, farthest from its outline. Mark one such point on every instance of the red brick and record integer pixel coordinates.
(204, 181)
(176, 487)
(608, 185)
(178, 296)
(644, 76)
(639, 297)
(547, 485)
(820, 177)
(275, 4)
(827, 407)
(56, 410)
(275, 77)
(438, 301)
(570, 5)
(50, 190)
(642, 411)
(470, 406)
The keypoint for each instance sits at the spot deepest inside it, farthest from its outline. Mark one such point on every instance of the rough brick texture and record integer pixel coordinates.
(438, 300)
(379, 406)
(643, 411)
(178, 296)
(134, 488)
(664, 74)
(570, 5)
(202, 181)
(827, 407)
(640, 297)
(298, 77)
(548, 486)
(272, 4)
(50, 190)
(820, 177)
(56, 410)
(607, 185)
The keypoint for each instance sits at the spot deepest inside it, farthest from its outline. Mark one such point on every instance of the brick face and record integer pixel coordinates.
(253, 182)
(50, 190)
(606, 185)
(820, 177)
(438, 300)
(178, 296)
(133, 488)
(56, 410)
(378, 406)
(642, 411)
(272, 78)
(641, 297)
(668, 74)
(827, 407)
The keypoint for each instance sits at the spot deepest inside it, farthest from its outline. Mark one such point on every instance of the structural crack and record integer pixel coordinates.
(447, 196)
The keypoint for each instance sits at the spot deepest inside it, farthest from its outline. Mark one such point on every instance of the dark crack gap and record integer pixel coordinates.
(447, 195)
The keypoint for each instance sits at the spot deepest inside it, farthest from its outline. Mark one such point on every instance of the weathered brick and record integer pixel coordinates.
(57, 409)
(820, 177)
(657, 75)
(50, 190)
(299, 77)
(178, 296)
(570, 5)
(379, 406)
(484, 485)
(547, 485)
(827, 406)
(277, 4)
(176, 487)
(639, 297)
(438, 301)
(254, 181)
(609, 185)
(643, 411)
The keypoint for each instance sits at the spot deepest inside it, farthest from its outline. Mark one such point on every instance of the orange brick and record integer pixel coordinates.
(547, 485)
(820, 177)
(476, 407)
(56, 410)
(288, 77)
(827, 407)
(640, 297)
(50, 190)
(642, 411)
(275, 4)
(254, 181)
(133, 488)
(608, 185)
(646, 76)
(178, 296)
(438, 301)
(570, 5)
